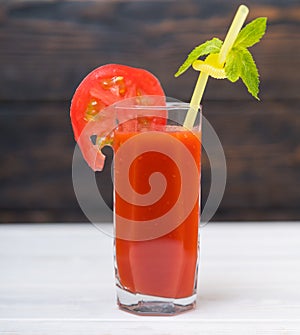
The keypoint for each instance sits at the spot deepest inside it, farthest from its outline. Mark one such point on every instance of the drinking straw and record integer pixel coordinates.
(230, 38)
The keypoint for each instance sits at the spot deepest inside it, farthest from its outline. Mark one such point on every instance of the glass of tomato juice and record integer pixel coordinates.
(156, 205)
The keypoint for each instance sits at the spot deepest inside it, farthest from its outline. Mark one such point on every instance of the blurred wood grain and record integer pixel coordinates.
(54, 44)
(47, 47)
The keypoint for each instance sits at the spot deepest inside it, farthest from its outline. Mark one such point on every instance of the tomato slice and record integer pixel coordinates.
(103, 87)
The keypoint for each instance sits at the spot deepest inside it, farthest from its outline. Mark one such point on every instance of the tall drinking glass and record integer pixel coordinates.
(156, 206)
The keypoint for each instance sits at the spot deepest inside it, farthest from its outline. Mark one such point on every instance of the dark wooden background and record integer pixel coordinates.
(47, 47)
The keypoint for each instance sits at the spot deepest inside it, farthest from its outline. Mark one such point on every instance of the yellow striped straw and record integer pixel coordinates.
(230, 38)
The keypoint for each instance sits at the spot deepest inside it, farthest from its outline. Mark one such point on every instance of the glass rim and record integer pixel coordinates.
(169, 103)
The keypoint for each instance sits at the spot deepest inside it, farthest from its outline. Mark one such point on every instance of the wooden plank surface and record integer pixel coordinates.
(263, 168)
(47, 47)
(58, 279)
(51, 46)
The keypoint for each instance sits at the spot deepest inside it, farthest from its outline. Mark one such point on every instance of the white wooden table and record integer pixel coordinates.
(58, 279)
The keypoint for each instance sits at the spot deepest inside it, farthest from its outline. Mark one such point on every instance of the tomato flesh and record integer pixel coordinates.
(103, 87)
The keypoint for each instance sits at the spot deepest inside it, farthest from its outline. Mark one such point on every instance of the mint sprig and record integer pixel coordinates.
(239, 62)
(251, 33)
(212, 46)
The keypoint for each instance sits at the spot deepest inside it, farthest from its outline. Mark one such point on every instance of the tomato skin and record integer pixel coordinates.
(103, 87)
(135, 82)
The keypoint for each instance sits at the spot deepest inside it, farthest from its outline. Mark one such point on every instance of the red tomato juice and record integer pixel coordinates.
(164, 266)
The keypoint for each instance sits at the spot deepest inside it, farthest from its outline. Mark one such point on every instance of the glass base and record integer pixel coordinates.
(151, 305)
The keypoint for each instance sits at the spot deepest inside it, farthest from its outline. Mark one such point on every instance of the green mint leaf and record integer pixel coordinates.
(251, 33)
(233, 65)
(240, 64)
(249, 72)
(212, 46)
